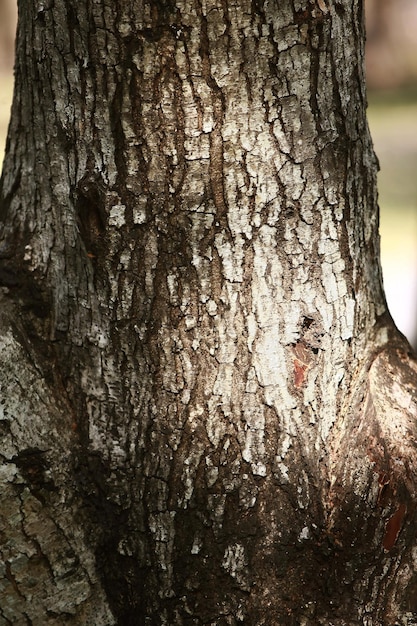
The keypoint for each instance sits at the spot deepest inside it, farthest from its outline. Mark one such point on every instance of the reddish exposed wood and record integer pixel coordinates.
(393, 527)
(299, 373)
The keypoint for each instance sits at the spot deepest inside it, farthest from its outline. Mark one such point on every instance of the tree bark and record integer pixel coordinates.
(208, 415)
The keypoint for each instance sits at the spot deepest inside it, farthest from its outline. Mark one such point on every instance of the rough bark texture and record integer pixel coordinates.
(207, 416)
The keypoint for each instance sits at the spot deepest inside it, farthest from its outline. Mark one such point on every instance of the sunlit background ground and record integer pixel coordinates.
(392, 70)
(6, 90)
(393, 122)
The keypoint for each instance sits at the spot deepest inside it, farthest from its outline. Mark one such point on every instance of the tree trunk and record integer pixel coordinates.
(208, 416)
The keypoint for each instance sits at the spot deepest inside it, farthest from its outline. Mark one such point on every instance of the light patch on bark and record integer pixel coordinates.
(235, 563)
(117, 215)
(232, 258)
(254, 449)
(304, 534)
(197, 545)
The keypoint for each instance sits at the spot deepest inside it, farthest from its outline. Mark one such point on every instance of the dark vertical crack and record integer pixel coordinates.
(216, 139)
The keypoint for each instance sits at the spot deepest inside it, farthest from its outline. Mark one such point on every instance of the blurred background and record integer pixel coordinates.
(391, 67)
(391, 64)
